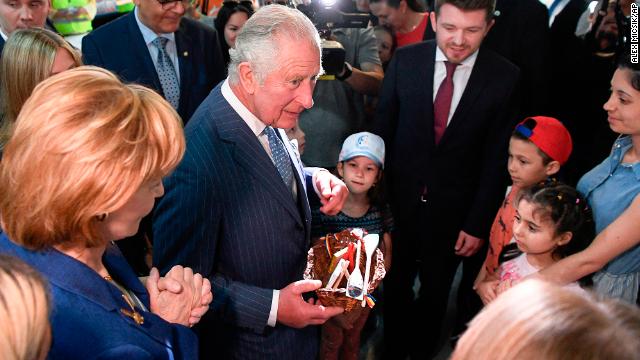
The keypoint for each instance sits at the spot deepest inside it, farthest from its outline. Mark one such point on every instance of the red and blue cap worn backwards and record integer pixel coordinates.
(549, 135)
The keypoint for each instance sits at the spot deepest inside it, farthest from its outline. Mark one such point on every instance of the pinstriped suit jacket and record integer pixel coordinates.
(227, 214)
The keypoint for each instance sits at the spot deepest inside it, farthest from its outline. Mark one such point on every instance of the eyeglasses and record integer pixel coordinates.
(166, 4)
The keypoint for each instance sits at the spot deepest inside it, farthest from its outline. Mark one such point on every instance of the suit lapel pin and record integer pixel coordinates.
(185, 54)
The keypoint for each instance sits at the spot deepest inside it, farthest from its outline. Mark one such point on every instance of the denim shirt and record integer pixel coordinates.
(609, 189)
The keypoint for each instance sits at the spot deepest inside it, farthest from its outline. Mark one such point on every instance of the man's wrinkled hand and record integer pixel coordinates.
(333, 192)
(467, 245)
(293, 311)
(174, 307)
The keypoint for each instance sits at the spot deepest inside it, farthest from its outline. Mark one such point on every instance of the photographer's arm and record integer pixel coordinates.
(367, 80)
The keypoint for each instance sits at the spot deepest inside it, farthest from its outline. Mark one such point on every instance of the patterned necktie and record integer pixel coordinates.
(280, 157)
(442, 103)
(167, 73)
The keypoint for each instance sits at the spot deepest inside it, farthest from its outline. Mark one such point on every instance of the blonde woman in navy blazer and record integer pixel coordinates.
(83, 166)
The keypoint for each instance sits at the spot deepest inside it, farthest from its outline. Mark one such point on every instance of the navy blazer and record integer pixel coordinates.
(86, 321)
(119, 47)
(463, 177)
(227, 214)
(521, 35)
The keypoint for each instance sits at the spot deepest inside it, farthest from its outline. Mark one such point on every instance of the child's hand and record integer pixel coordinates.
(387, 261)
(505, 285)
(385, 246)
(487, 290)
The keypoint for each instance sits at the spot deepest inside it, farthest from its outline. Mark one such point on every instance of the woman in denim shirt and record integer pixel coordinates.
(611, 189)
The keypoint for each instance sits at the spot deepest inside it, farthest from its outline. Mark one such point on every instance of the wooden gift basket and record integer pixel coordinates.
(319, 263)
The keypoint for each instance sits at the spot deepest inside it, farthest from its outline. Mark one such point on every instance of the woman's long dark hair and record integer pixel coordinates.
(625, 63)
(228, 8)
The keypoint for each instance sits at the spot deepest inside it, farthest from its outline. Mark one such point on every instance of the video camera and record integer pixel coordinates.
(610, 33)
(325, 16)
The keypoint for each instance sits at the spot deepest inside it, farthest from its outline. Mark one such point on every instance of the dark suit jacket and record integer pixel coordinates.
(227, 214)
(574, 76)
(521, 35)
(1, 44)
(86, 321)
(119, 46)
(463, 176)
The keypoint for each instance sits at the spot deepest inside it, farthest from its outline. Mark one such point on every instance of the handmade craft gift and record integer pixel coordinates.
(333, 260)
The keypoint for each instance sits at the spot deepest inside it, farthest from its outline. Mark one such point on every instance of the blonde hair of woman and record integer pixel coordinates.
(27, 59)
(539, 320)
(24, 312)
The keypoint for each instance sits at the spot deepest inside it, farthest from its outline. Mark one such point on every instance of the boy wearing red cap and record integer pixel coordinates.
(538, 147)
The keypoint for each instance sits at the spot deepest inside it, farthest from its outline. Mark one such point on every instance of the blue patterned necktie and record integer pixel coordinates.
(167, 73)
(280, 157)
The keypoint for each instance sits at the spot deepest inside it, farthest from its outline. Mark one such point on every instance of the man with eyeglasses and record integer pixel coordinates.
(156, 46)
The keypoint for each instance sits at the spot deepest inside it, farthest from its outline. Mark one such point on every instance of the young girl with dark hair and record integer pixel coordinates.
(552, 221)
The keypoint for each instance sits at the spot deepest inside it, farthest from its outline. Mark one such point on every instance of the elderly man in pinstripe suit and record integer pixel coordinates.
(236, 208)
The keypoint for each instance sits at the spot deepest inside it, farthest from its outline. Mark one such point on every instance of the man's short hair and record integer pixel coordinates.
(469, 5)
(259, 40)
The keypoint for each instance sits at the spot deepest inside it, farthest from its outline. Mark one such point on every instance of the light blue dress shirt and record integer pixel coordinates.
(149, 35)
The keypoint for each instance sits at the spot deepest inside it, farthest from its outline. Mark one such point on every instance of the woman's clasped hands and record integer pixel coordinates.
(180, 296)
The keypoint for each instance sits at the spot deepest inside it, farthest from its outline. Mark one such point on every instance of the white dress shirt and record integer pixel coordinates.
(149, 35)
(460, 78)
(561, 5)
(255, 124)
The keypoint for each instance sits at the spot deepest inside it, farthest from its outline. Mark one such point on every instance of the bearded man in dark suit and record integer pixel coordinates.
(445, 113)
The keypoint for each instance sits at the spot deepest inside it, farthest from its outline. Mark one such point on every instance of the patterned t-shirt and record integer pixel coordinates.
(516, 269)
(501, 230)
(377, 220)
(519, 268)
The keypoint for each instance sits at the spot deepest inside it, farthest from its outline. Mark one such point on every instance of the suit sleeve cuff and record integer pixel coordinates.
(273, 314)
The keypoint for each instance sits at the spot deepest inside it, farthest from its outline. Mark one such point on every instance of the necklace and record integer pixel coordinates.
(133, 314)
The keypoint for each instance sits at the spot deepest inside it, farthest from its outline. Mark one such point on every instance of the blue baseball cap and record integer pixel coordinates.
(363, 144)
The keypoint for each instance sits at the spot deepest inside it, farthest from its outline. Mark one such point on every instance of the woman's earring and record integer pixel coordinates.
(102, 217)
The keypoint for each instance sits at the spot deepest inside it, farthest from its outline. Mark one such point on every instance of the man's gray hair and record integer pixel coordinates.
(257, 43)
